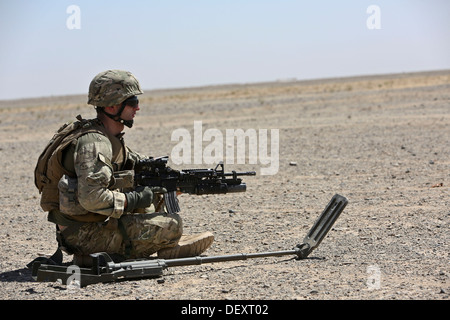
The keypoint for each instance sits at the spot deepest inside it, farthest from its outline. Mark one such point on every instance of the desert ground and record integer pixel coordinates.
(382, 141)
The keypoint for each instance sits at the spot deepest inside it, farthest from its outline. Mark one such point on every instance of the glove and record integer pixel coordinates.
(141, 197)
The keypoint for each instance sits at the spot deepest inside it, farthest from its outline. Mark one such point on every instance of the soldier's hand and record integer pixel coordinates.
(158, 190)
(141, 197)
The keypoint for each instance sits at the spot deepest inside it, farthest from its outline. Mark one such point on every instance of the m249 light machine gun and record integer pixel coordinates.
(154, 172)
(104, 269)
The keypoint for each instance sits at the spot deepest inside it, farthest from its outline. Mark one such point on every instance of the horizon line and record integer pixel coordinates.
(230, 84)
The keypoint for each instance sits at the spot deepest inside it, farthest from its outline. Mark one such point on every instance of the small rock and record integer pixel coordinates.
(31, 291)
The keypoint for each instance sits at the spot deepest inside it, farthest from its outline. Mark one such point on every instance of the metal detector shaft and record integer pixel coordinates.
(231, 257)
(111, 266)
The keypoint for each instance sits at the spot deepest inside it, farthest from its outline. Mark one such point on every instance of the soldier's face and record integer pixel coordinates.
(130, 112)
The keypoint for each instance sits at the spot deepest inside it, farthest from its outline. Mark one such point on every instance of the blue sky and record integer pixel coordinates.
(169, 44)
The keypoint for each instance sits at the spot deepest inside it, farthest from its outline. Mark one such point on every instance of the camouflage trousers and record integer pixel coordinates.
(131, 236)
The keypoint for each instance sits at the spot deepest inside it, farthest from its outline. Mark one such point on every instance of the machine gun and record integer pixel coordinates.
(104, 269)
(154, 172)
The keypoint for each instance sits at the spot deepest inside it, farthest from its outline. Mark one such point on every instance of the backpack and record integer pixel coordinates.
(49, 168)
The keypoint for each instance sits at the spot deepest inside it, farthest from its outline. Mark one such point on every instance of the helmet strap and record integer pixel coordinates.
(116, 117)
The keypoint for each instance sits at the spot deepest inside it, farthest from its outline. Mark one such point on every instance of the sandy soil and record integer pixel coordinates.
(382, 142)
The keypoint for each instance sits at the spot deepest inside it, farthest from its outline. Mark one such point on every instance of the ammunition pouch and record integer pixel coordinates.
(123, 180)
(68, 197)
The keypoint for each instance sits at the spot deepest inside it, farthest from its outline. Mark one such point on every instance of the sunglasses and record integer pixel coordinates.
(132, 102)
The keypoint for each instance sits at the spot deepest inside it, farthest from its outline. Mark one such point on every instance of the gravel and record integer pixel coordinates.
(382, 142)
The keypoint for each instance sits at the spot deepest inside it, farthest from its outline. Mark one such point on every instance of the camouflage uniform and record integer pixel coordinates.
(144, 233)
(102, 225)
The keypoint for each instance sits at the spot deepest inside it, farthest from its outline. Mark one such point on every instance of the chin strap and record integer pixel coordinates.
(116, 117)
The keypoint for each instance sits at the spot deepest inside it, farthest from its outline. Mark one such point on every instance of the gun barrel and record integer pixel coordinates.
(234, 173)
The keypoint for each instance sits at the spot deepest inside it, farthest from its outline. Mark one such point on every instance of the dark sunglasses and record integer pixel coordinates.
(132, 102)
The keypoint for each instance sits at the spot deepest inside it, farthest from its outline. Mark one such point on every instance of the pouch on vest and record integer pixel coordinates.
(123, 179)
(68, 197)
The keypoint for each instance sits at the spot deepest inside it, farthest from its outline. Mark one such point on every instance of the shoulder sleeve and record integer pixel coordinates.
(92, 161)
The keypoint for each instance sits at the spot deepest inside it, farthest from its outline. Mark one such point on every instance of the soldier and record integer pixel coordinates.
(91, 213)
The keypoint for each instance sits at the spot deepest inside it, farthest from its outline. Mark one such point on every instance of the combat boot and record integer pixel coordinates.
(188, 246)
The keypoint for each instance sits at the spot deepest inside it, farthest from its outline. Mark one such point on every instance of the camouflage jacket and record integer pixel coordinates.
(95, 159)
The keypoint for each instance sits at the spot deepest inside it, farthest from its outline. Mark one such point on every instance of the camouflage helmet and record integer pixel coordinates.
(111, 87)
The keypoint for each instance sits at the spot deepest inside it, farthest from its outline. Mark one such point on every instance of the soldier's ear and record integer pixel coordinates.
(113, 109)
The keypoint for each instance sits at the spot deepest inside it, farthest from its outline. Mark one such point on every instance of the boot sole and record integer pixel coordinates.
(189, 249)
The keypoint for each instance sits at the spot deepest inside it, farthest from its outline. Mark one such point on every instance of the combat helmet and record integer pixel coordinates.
(113, 87)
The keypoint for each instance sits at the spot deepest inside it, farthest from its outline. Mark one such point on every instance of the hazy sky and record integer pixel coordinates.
(47, 49)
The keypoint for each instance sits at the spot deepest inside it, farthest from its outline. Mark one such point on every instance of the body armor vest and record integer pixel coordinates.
(49, 168)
